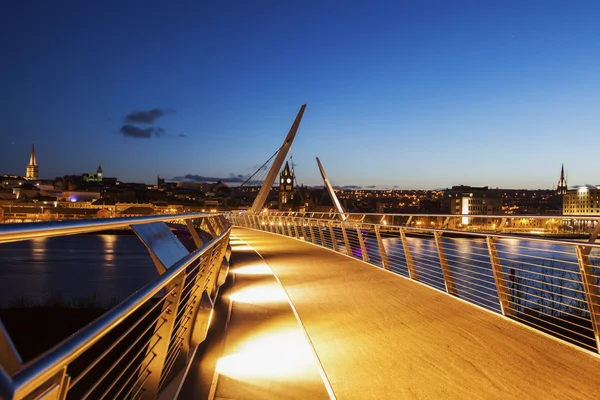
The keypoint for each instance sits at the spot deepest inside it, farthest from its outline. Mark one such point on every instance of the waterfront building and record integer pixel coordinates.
(561, 188)
(585, 200)
(32, 168)
(468, 200)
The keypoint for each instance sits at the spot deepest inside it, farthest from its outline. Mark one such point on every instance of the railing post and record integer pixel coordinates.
(333, 239)
(592, 291)
(322, 236)
(206, 222)
(289, 226)
(410, 264)
(294, 221)
(500, 279)
(162, 334)
(346, 241)
(361, 241)
(446, 273)
(302, 229)
(382, 253)
(312, 232)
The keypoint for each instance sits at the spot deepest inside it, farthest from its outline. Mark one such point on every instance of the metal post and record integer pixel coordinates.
(217, 223)
(446, 273)
(312, 232)
(410, 264)
(296, 234)
(361, 241)
(333, 239)
(289, 226)
(500, 279)
(161, 338)
(302, 229)
(10, 359)
(209, 227)
(323, 242)
(194, 233)
(592, 291)
(346, 241)
(382, 253)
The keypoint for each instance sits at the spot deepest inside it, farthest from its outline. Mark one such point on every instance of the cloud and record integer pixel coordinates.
(144, 117)
(239, 178)
(142, 133)
(347, 187)
(371, 187)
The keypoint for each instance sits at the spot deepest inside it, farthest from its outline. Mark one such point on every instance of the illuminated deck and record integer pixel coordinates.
(379, 335)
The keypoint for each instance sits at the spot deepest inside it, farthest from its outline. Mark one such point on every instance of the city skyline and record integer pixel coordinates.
(399, 96)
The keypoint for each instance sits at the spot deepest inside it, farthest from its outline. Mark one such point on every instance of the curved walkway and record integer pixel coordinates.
(381, 336)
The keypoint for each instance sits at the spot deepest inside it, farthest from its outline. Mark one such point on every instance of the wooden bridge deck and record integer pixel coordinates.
(377, 335)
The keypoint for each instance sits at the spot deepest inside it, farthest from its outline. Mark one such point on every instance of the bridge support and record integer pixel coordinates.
(361, 241)
(10, 360)
(321, 235)
(312, 232)
(410, 264)
(592, 291)
(502, 289)
(333, 238)
(158, 348)
(346, 242)
(446, 273)
(382, 253)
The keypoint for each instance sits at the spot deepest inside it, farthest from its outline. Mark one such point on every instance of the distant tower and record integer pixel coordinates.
(561, 188)
(32, 167)
(99, 172)
(286, 189)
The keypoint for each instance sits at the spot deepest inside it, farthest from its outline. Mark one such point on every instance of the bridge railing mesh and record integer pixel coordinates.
(548, 279)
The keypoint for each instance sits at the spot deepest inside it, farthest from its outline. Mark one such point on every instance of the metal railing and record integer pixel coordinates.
(137, 348)
(547, 283)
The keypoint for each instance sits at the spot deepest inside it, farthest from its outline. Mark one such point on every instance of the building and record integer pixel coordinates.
(32, 168)
(585, 200)
(468, 200)
(91, 177)
(286, 189)
(561, 188)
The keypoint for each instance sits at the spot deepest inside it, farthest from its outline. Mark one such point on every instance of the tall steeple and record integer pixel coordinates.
(561, 188)
(32, 167)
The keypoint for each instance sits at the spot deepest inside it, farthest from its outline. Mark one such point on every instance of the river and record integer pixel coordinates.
(104, 267)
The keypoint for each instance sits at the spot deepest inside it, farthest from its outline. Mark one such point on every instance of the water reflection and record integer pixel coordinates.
(109, 249)
(38, 248)
(70, 267)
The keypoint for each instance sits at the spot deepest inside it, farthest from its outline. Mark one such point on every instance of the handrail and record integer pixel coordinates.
(589, 217)
(547, 283)
(181, 316)
(50, 362)
(23, 231)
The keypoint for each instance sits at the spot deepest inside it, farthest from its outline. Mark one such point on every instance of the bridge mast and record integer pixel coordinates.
(259, 202)
(334, 198)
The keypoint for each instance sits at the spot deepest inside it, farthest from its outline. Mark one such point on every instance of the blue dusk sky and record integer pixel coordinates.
(400, 94)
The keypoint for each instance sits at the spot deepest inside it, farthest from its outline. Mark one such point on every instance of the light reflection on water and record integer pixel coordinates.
(80, 266)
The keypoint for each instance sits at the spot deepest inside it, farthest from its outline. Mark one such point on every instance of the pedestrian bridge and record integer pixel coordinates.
(323, 308)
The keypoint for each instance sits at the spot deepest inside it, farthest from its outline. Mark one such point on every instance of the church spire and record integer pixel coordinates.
(32, 167)
(32, 160)
(561, 188)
